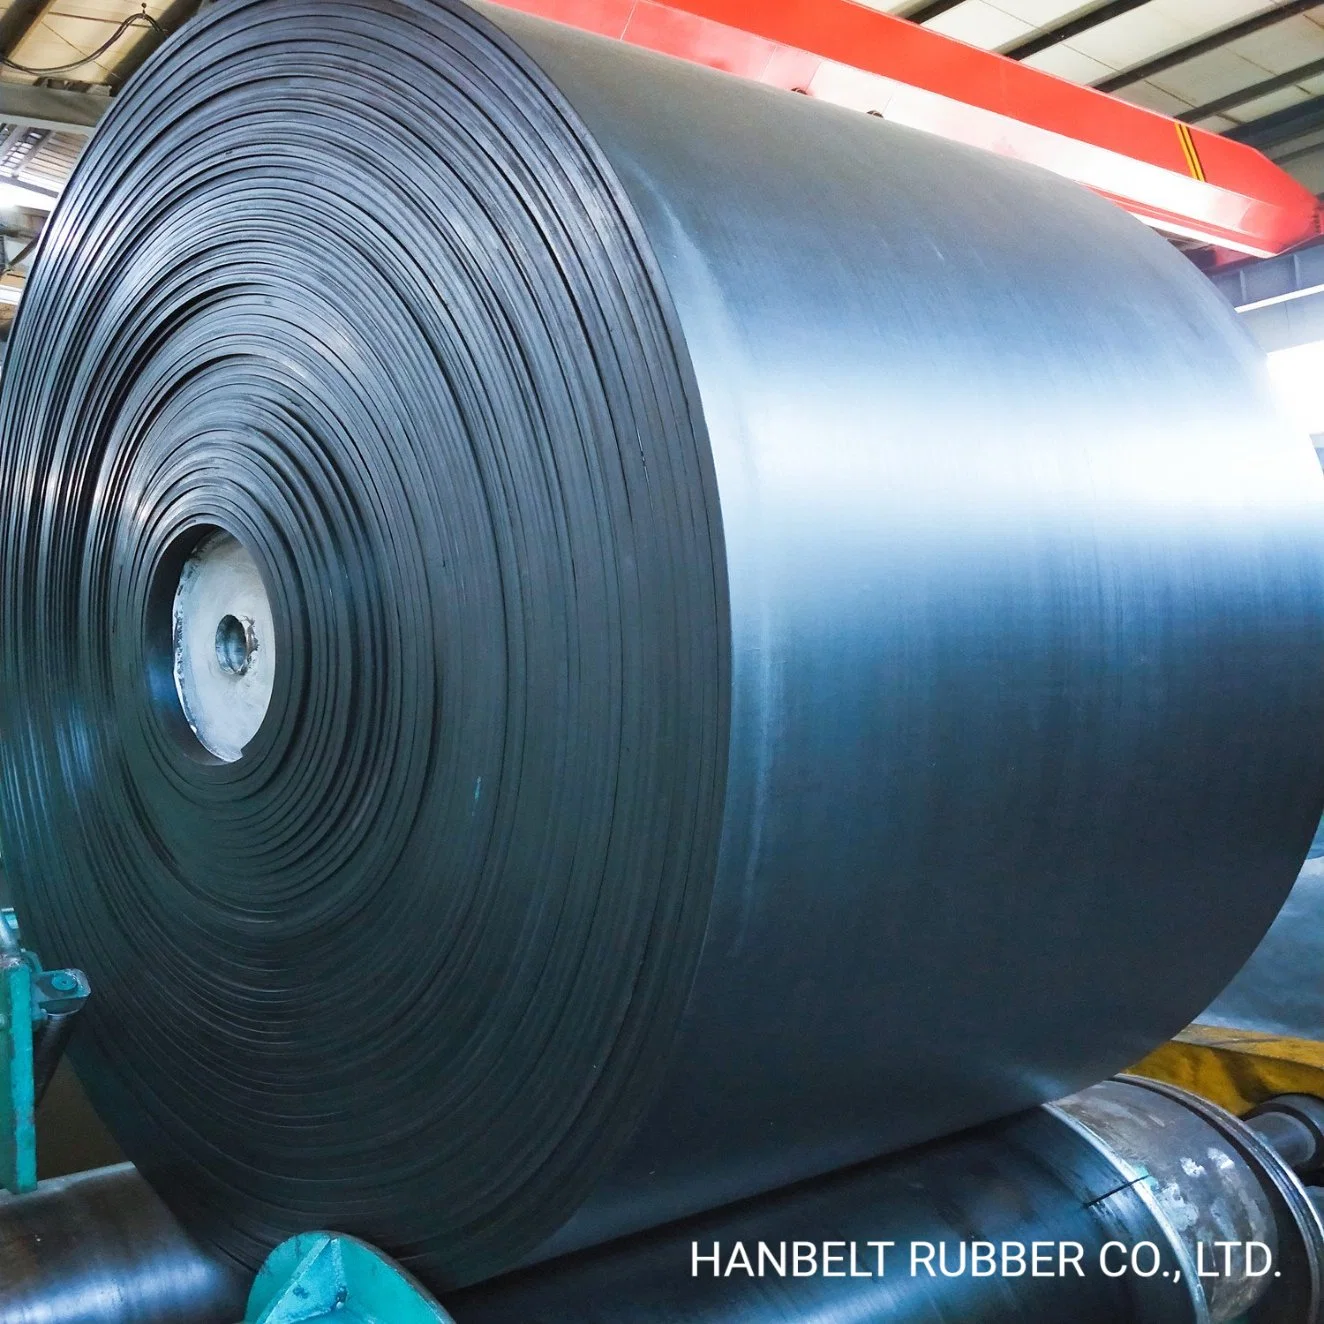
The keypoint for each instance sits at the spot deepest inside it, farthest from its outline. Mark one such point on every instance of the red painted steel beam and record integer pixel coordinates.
(1182, 180)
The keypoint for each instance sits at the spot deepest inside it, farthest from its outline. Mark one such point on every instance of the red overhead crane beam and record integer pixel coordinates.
(1182, 180)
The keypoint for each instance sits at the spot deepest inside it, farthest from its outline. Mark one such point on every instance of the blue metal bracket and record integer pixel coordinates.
(37, 1008)
(325, 1276)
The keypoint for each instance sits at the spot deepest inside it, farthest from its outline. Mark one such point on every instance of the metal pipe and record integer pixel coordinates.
(1289, 1135)
(1127, 1174)
(1294, 1125)
(101, 1248)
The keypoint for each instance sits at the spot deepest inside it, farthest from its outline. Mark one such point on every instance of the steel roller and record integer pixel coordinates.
(1129, 1203)
(101, 1248)
(582, 640)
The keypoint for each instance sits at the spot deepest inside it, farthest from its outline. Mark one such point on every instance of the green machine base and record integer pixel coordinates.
(325, 1276)
(37, 1011)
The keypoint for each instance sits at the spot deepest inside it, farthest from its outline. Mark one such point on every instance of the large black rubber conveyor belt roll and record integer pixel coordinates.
(582, 639)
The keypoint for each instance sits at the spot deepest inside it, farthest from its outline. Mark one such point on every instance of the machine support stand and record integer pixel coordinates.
(37, 1008)
(323, 1276)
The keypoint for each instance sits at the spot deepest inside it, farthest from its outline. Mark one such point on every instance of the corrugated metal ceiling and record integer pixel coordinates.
(1245, 67)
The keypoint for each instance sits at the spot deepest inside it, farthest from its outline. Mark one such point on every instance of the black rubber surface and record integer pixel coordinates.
(794, 638)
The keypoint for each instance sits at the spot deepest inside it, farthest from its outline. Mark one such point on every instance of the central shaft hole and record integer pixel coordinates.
(235, 645)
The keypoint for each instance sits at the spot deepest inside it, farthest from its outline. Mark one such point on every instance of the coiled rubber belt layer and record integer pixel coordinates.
(746, 638)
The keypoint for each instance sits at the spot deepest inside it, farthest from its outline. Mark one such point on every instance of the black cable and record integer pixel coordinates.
(10, 263)
(133, 20)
